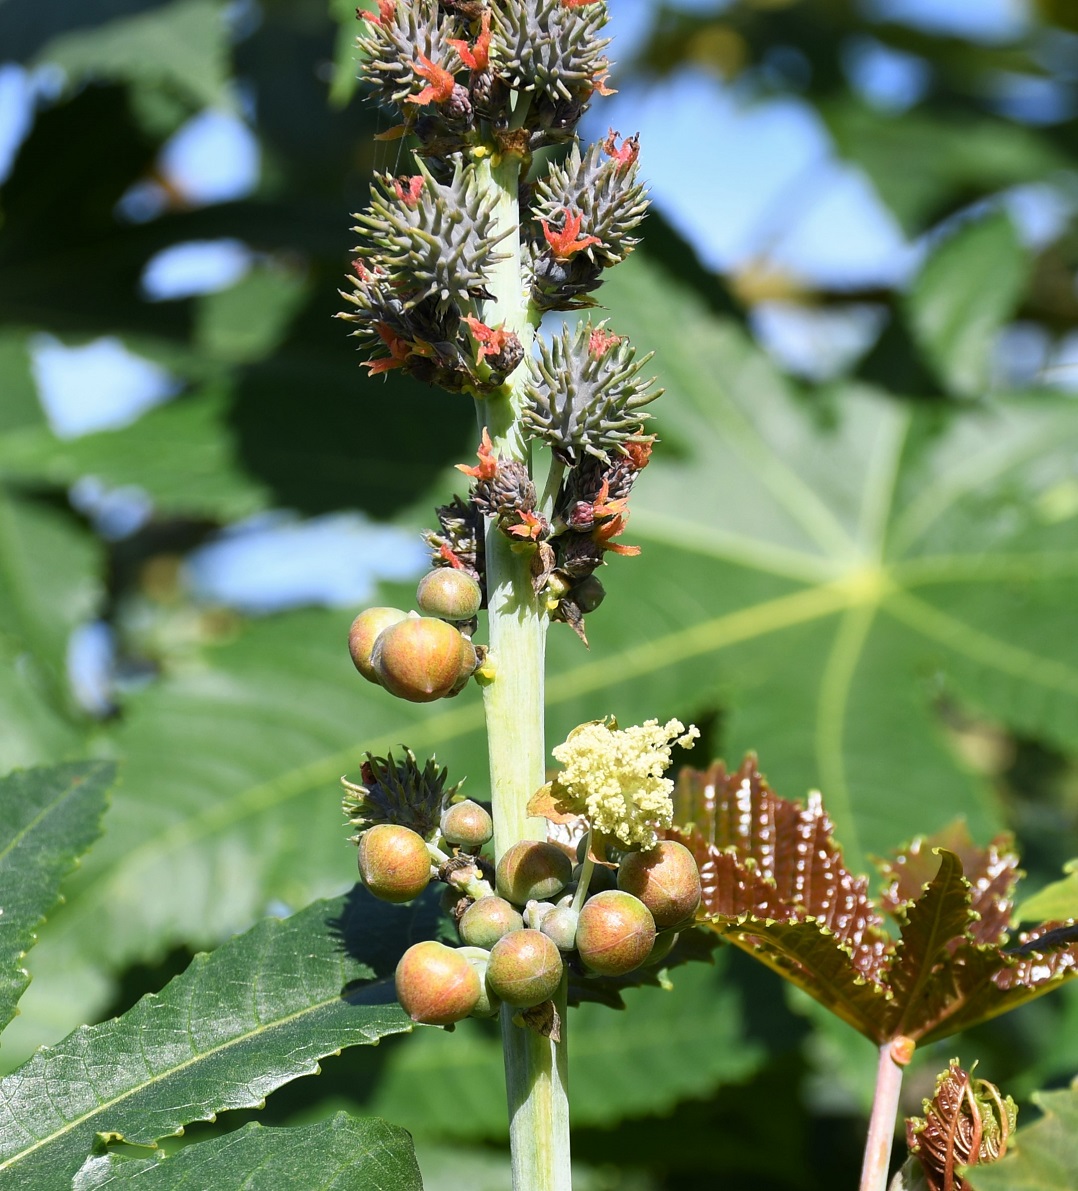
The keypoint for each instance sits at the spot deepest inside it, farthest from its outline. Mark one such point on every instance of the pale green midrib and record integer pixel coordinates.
(881, 486)
(51, 808)
(980, 647)
(973, 568)
(938, 498)
(925, 970)
(172, 1072)
(836, 684)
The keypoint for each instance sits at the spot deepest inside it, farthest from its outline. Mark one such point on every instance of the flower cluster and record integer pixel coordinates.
(613, 777)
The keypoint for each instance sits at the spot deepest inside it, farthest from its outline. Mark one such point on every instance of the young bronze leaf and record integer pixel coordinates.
(992, 873)
(773, 858)
(931, 929)
(966, 1123)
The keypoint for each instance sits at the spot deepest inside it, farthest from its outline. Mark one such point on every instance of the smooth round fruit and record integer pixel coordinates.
(418, 658)
(666, 879)
(363, 634)
(532, 871)
(560, 926)
(467, 824)
(524, 968)
(615, 934)
(664, 944)
(449, 593)
(588, 594)
(487, 920)
(394, 862)
(489, 1002)
(436, 985)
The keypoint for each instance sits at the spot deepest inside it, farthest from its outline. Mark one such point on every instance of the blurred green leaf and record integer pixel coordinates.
(1042, 1156)
(1054, 902)
(48, 818)
(345, 55)
(256, 1013)
(248, 320)
(364, 1155)
(968, 288)
(180, 47)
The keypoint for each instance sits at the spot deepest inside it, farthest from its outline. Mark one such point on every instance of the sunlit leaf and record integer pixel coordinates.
(48, 818)
(1053, 902)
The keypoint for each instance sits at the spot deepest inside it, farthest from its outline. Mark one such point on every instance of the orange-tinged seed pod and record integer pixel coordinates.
(532, 871)
(615, 933)
(485, 921)
(666, 879)
(394, 862)
(449, 593)
(467, 824)
(524, 968)
(436, 985)
(418, 658)
(363, 634)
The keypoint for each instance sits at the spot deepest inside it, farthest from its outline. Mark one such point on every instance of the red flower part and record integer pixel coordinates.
(564, 243)
(475, 57)
(603, 506)
(488, 465)
(629, 151)
(600, 341)
(385, 13)
(639, 453)
(450, 557)
(441, 82)
(611, 529)
(577, 3)
(408, 190)
(491, 342)
(361, 270)
(599, 84)
(531, 526)
(399, 350)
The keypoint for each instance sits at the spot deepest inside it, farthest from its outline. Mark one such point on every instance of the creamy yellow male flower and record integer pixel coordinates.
(614, 778)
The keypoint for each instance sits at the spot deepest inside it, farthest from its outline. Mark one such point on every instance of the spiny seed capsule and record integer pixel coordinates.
(363, 634)
(418, 658)
(524, 968)
(532, 871)
(436, 985)
(394, 862)
(560, 926)
(487, 920)
(488, 1003)
(666, 879)
(615, 933)
(466, 824)
(449, 593)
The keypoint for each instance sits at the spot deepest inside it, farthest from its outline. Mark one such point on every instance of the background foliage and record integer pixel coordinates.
(867, 579)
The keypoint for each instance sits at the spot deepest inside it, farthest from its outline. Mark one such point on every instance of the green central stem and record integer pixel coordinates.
(535, 1067)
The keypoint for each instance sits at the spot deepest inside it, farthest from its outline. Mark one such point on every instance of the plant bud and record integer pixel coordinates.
(560, 927)
(535, 912)
(487, 920)
(666, 879)
(524, 969)
(436, 985)
(394, 862)
(363, 634)
(466, 824)
(418, 658)
(615, 934)
(488, 1003)
(532, 871)
(449, 593)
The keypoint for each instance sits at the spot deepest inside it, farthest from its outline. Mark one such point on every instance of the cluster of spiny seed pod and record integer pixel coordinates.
(475, 83)
(426, 655)
(518, 939)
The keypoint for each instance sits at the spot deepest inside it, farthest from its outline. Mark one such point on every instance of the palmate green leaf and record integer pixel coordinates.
(968, 288)
(48, 818)
(1042, 1156)
(180, 47)
(240, 1022)
(1054, 902)
(344, 1152)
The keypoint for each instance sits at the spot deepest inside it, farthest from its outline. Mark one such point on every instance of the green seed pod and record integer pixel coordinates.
(487, 920)
(449, 593)
(363, 634)
(532, 871)
(588, 594)
(615, 934)
(467, 824)
(560, 926)
(664, 944)
(394, 862)
(488, 1003)
(666, 879)
(436, 985)
(418, 658)
(524, 969)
